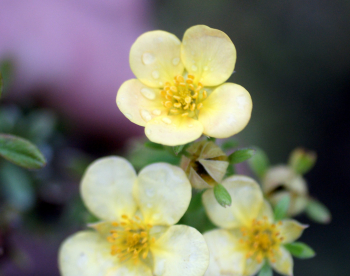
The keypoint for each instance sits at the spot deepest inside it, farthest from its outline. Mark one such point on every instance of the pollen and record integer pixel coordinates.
(261, 240)
(183, 97)
(130, 239)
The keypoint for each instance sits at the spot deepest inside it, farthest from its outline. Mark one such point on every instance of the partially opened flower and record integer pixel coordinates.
(180, 92)
(136, 236)
(250, 236)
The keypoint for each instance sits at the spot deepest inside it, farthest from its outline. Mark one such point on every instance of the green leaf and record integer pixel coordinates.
(300, 250)
(259, 163)
(178, 149)
(318, 212)
(153, 145)
(212, 139)
(229, 144)
(266, 270)
(240, 155)
(281, 208)
(1, 85)
(21, 152)
(222, 196)
(302, 160)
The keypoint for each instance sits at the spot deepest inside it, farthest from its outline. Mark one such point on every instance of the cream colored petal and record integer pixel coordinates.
(252, 267)
(138, 102)
(173, 130)
(216, 169)
(266, 212)
(247, 201)
(106, 188)
(209, 54)
(86, 253)
(226, 111)
(196, 181)
(283, 263)
(291, 230)
(226, 257)
(131, 269)
(180, 251)
(155, 58)
(163, 193)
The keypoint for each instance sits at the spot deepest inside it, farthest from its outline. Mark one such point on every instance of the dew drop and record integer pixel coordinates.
(155, 74)
(148, 58)
(148, 131)
(206, 68)
(119, 103)
(194, 67)
(157, 112)
(146, 115)
(128, 115)
(148, 93)
(82, 260)
(166, 120)
(176, 61)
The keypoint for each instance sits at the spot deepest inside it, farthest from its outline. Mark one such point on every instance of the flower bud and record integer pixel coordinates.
(205, 164)
(280, 181)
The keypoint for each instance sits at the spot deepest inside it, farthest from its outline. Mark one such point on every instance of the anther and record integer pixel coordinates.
(193, 106)
(168, 104)
(184, 114)
(177, 105)
(199, 106)
(205, 94)
(190, 76)
(188, 99)
(173, 88)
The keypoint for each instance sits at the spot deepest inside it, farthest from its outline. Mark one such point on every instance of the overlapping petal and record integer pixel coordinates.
(155, 58)
(208, 54)
(86, 254)
(180, 251)
(247, 201)
(291, 230)
(173, 130)
(284, 262)
(226, 111)
(163, 193)
(138, 102)
(130, 270)
(106, 188)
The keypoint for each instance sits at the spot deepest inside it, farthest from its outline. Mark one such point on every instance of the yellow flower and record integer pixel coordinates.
(180, 92)
(249, 235)
(137, 235)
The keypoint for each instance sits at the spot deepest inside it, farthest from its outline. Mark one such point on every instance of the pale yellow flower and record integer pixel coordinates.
(180, 92)
(137, 235)
(249, 235)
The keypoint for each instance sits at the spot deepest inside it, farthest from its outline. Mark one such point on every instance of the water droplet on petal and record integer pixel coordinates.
(176, 61)
(119, 103)
(148, 93)
(148, 58)
(128, 115)
(146, 115)
(194, 67)
(206, 68)
(166, 120)
(155, 74)
(148, 131)
(157, 112)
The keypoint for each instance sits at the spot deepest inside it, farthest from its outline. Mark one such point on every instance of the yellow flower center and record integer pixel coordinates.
(262, 240)
(183, 97)
(130, 239)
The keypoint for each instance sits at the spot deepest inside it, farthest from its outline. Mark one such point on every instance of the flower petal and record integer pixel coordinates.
(247, 201)
(266, 211)
(180, 251)
(197, 182)
(86, 254)
(284, 262)
(163, 193)
(225, 256)
(138, 102)
(106, 188)
(208, 54)
(226, 111)
(291, 230)
(140, 269)
(173, 130)
(215, 168)
(155, 58)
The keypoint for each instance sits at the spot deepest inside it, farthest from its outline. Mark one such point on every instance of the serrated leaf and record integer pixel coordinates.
(153, 145)
(241, 155)
(302, 160)
(178, 149)
(222, 196)
(266, 270)
(300, 250)
(259, 163)
(21, 152)
(281, 208)
(318, 211)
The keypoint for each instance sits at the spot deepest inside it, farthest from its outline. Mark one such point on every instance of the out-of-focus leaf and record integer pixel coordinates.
(229, 144)
(302, 160)
(41, 125)
(9, 116)
(211, 139)
(16, 186)
(259, 163)
(178, 149)
(222, 196)
(281, 208)
(230, 170)
(318, 211)
(300, 250)
(21, 152)
(152, 145)
(240, 155)
(266, 270)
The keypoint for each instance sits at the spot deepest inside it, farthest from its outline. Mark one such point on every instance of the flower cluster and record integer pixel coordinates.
(180, 94)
